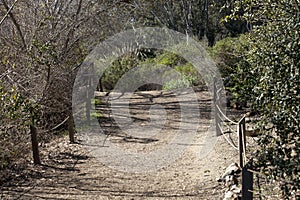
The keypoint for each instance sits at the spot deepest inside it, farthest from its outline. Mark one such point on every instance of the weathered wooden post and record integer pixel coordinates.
(242, 141)
(35, 145)
(216, 103)
(88, 100)
(247, 184)
(247, 176)
(71, 127)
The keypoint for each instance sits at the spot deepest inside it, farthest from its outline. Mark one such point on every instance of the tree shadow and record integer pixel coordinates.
(76, 184)
(63, 177)
(139, 106)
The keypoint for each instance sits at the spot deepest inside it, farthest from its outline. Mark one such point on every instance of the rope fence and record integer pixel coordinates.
(222, 120)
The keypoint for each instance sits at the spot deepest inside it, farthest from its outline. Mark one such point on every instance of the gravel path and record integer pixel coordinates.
(185, 167)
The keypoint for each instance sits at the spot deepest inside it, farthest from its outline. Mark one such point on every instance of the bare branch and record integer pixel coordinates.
(7, 13)
(79, 8)
(15, 23)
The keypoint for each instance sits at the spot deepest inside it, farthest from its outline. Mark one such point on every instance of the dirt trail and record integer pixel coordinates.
(75, 171)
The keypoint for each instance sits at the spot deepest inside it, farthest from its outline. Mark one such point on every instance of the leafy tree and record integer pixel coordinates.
(59, 34)
(274, 61)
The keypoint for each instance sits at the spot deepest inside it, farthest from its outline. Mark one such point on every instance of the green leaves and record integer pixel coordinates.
(239, 76)
(182, 82)
(273, 56)
(14, 105)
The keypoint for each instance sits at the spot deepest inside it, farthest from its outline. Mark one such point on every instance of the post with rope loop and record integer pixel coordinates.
(247, 176)
(216, 101)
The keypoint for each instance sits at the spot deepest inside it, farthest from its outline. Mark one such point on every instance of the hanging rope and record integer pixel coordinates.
(230, 129)
(57, 126)
(226, 118)
(231, 143)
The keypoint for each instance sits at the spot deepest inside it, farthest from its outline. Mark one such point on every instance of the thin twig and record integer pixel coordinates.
(7, 13)
(15, 23)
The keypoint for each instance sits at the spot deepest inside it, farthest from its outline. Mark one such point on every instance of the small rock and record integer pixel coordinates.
(235, 189)
(228, 195)
(233, 181)
(231, 170)
(229, 180)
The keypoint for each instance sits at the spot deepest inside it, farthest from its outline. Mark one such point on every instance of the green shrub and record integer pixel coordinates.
(179, 83)
(166, 58)
(15, 116)
(169, 59)
(230, 57)
(273, 67)
(118, 68)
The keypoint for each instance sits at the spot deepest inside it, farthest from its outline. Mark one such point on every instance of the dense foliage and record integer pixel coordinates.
(42, 44)
(201, 18)
(238, 77)
(16, 113)
(156, 58)
(273, 63)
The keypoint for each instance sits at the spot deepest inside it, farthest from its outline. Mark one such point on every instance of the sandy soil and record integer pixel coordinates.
(92, 170)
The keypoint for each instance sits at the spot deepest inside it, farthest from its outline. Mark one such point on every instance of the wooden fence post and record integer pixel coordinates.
(247, 176)
(247, 184)
(71, 128)
(88, 101)
(35, 146)
(216, 103)
(242, 140)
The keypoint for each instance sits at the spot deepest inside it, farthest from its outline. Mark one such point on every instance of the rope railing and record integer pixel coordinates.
(55, 127)
(226, 118)
(240, 133)
(231, 129)
(222, 119)
(229, 142)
